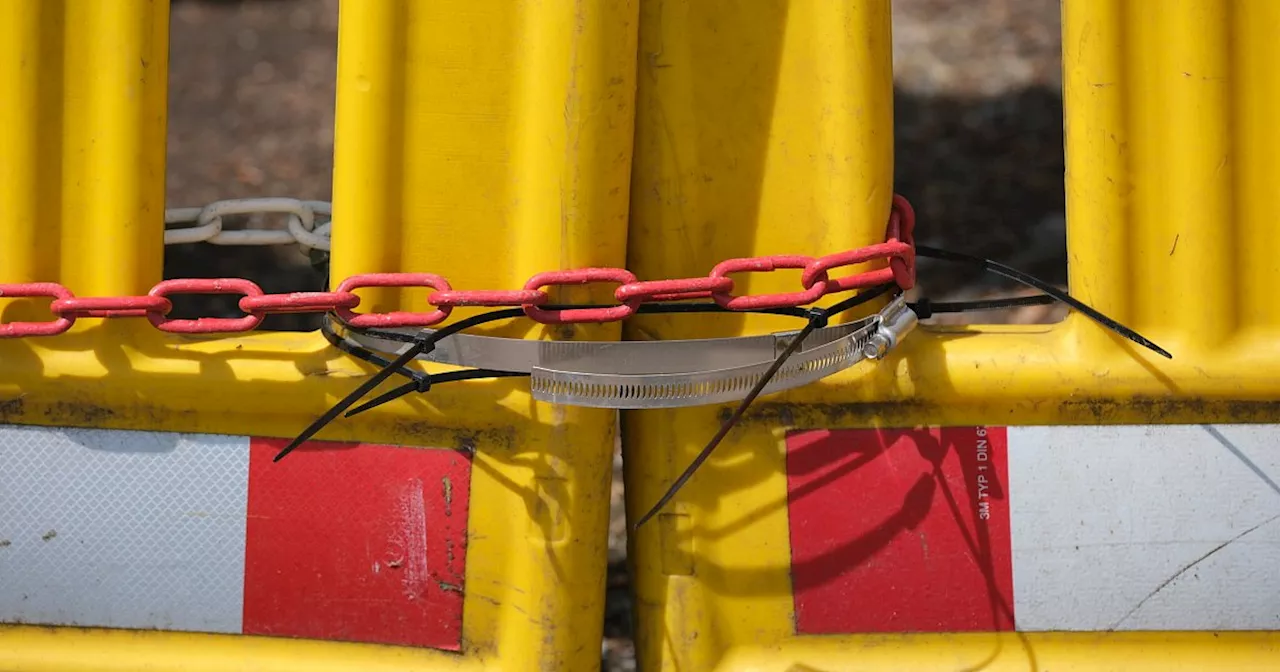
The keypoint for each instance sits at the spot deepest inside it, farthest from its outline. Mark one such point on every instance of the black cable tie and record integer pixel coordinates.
(364, 354)
(926, 308)
(422, 344)
(818, 317)
(429, 381)
(923, 308)
(1032, 281)
(391, 395)
(815, 316)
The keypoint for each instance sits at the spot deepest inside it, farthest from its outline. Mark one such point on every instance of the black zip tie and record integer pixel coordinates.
(432, 379)
(423, 385)
(422, 342)
(818, 318)
(364, 354)
(419, 382)
(1037, 283)
(727, 424)
(420, 346)
(926, 308)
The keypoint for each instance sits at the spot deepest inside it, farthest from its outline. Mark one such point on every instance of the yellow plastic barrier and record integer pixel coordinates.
(481, 141)
(1024, 479)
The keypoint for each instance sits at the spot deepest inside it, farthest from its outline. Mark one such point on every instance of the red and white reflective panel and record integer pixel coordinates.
(204, 533)
(1160, 527)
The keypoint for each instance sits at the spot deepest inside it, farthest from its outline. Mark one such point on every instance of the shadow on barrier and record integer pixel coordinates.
(749, 458)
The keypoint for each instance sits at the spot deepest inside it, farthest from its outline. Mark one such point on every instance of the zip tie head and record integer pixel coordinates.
(818, 317)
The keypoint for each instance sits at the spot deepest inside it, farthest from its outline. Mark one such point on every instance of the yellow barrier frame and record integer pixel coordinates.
(767, 132)
(442, 148)
(772, 125)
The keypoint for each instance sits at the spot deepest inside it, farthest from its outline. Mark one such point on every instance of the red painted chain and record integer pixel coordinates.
(898, 249)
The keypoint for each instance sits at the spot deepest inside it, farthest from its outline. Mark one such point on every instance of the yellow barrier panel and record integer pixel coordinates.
(1032, 478)
(480, 141)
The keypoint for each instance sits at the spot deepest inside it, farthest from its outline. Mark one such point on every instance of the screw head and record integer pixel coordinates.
(875, 347)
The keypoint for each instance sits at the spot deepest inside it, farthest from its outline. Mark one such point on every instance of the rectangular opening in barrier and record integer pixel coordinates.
(979, 147)
(251, 111)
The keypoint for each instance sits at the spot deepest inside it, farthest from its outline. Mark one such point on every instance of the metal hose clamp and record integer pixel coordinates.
(662, 374)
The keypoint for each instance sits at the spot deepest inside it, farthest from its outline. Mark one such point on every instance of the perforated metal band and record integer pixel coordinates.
(662, 374)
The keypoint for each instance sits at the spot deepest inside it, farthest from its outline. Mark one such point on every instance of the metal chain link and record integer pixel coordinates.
(302, 228)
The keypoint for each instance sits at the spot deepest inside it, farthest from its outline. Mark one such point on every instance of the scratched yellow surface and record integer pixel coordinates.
(482, 140)
(769, 132)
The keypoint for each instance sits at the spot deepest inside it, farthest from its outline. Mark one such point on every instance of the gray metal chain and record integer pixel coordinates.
(302, 230)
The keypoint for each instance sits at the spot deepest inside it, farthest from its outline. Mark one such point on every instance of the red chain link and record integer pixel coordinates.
(673, 290)
(898, 249)
(298, 302)
(110, 306)
(582, 276)
(488, 297)
(205, 325)
(813, 291)
(397, 318)
(36, 289)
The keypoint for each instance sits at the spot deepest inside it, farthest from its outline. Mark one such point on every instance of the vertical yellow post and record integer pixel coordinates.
(762, 128)
(114, 129)
(1254, 52)
(486, 142)
(1169, 228)
(1168, 146)
(24, 187)
(82, 155)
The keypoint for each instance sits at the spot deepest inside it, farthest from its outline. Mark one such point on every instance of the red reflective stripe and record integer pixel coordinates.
(673, 290)
(487, 297)
(31, 290)
(581, 276)
(930, 549)
(299, 302)
(395, 318)
(358, 543)
(765, 265)
(111, 306)
(205, 325)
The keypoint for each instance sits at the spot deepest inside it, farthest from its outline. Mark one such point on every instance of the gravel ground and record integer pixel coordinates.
(979, 150)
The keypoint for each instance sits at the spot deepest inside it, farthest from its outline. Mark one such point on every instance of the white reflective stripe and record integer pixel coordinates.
(122, 529)
(1146, 527)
